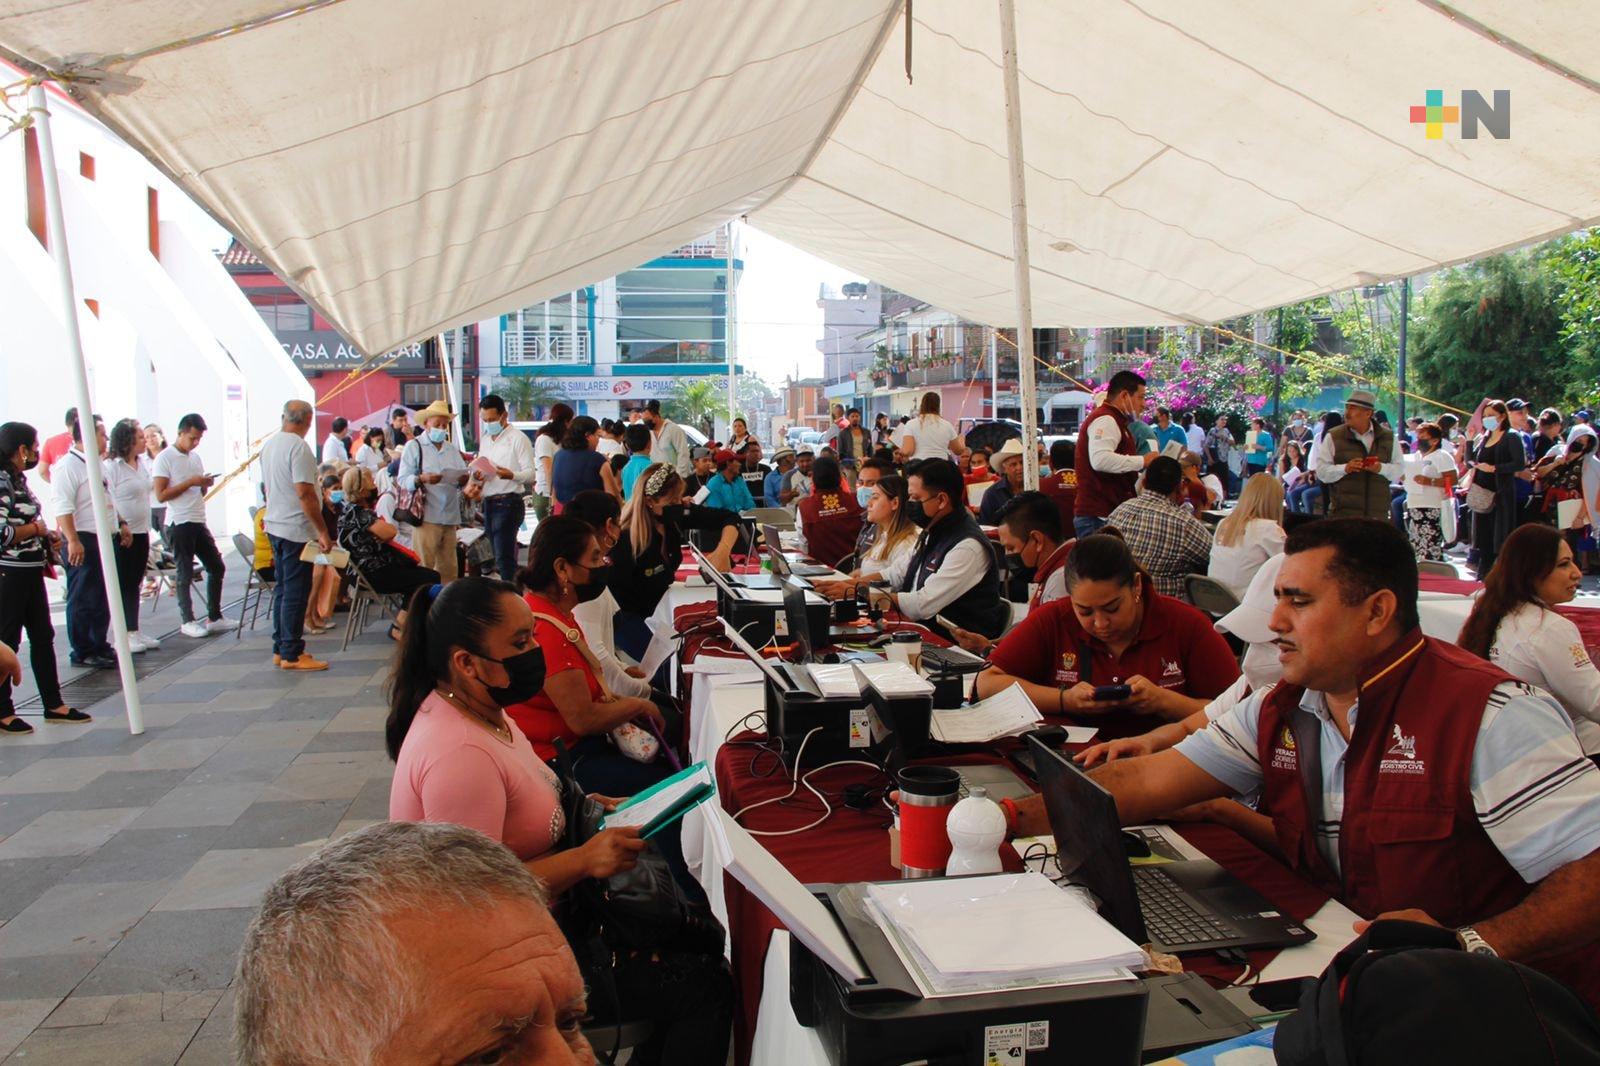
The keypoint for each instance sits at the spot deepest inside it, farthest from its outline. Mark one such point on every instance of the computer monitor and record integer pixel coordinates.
(1083, 817)
(794, 612)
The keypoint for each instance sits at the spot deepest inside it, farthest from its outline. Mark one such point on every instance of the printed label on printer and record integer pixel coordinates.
(879, 730)
(1038, 1035)
(860, 728)
(1005, 1045)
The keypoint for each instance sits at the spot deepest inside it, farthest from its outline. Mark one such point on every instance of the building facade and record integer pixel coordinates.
(608, 348)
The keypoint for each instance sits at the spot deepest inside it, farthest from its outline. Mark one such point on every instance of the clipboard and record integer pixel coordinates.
(664, 802)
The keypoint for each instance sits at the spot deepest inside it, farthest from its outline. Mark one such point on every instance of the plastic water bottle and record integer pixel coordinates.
(977, 827)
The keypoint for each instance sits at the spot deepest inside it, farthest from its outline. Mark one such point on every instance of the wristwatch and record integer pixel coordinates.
(1473, 944)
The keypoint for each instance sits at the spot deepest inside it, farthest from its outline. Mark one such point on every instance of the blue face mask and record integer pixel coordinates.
(863, 494)
(493, 428)
(337, 495)
(1491, 423)
(437, 436)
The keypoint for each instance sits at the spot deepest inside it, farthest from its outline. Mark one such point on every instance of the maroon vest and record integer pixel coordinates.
(1097, 493)
(1409, 835)
(1062, 487)
(831, 521)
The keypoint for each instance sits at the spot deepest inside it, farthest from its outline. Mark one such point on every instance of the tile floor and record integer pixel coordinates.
(130, 866)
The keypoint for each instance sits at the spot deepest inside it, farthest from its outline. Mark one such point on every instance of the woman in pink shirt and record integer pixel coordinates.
(469, 651)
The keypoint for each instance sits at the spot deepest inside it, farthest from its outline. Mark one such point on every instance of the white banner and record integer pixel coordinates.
(614, 388)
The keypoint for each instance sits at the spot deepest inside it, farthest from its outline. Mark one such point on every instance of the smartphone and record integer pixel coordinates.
(1112, 692)
(949, 625)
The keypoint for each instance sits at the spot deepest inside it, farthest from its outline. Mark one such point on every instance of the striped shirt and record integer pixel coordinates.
(18, 507)
(1535, 794)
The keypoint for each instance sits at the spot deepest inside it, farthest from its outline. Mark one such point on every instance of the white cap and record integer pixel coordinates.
(1248, 621)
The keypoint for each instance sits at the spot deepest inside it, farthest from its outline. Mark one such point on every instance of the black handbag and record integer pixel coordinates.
(642, 909)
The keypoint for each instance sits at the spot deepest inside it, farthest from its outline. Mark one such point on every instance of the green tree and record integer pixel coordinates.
(1575, 260)
(1492, 327)
(524, 394)
(695, 401)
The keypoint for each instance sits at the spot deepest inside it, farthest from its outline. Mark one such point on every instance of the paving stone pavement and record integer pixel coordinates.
(131, 866)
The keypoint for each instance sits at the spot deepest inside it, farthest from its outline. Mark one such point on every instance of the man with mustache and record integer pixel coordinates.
(1404, 776)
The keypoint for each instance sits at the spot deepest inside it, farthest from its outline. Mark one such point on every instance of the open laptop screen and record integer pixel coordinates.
(794, 612)
(1083, 817)
(780, 562)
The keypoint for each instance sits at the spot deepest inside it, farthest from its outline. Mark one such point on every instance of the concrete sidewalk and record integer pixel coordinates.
(130, 866)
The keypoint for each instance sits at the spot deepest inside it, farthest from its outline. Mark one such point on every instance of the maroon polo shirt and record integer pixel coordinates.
(1176, 648)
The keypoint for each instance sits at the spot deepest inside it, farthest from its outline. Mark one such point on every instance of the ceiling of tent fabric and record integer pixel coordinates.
(409, 165)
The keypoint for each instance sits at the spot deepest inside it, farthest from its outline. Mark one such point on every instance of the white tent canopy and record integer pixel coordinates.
(411, 164)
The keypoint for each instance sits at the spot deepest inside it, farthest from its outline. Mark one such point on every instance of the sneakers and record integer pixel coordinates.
(138, 642)
(221, 625)
(305, 662)
(195, 629)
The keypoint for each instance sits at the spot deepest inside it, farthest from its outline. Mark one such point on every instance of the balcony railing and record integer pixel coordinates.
(532, 347)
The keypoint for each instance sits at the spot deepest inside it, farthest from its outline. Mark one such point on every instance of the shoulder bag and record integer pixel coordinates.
(1479, 499)
(410, 504)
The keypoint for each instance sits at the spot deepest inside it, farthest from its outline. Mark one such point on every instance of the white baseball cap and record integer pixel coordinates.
(1248, 621)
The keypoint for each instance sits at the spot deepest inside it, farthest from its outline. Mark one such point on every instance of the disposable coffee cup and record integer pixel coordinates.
(906, 647)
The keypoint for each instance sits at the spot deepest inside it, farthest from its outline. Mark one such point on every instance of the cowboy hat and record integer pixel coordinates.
(436, 409)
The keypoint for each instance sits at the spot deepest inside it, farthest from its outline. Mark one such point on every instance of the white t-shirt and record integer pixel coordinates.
(608, 447)
(178, 467)
(286, 461)
(69, 481)
(544, 447)
(931, 436)
(1544, 648)
(371, 458)
(1435, 464)
(334, 450)
(130, 493)
(1235, 564)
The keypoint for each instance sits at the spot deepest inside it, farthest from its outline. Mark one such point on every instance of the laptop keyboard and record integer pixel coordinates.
(1169, 917)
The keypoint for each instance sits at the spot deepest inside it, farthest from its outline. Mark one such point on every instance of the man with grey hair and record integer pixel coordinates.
(402, 943)
(293, 520)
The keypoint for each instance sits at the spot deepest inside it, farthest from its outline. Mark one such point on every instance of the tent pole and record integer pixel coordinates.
(728, 341)
(80, 367)
(1019, 245)
(1400, 364)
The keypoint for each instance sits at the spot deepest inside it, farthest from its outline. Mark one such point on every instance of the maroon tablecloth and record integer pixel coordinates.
(1457, 585)
(853, 845)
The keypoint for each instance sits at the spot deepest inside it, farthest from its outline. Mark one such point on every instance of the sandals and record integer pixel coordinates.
(16, 726)
(72, 715)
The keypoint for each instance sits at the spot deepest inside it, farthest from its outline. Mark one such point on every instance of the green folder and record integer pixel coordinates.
(664, 802)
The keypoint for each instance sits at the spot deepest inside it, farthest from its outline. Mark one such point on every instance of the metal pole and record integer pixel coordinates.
(80, 368)
(994, 372)
(1019, 245)
(1400, 364)
(1277, 379)
(729, 340)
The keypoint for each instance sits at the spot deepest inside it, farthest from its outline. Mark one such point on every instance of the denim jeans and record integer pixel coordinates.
(88, 611)
(190, 541)
(290, 596)
(1085, 526)
(502, 519)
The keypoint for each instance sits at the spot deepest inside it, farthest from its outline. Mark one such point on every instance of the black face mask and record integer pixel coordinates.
(595, 585)
(1018, 569)
(526, 673)
(33, 461)
(918, 516)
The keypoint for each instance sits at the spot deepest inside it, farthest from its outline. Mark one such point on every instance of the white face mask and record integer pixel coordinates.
(1261, 667)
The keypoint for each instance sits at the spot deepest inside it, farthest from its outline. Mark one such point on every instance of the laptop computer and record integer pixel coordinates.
(795, 591)
(782, 564)
(1187, 906)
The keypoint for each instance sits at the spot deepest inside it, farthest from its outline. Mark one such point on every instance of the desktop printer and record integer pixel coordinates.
(885, 1020)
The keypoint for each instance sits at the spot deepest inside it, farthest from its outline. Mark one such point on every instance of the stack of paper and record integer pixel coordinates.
(664, 802)
(1008, 713)
(998, 931)
(892, 678)
(835, 680)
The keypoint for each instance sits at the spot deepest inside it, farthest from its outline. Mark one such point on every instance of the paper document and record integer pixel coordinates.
(700, 497)
(775, 596)
(1008, 713)
(1173, 449)
(769, 881)
(664, 802)
(894, 678)
(722, 664)
(337, 558)
(962, 933)
(484, 469)
(835, 679)
(663, 642)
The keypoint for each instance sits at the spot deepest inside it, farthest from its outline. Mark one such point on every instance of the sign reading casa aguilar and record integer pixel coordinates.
(607, 388)
(326, 350)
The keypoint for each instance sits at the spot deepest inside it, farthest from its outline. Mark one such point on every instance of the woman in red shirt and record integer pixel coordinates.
(1113, 629)
(566, 568)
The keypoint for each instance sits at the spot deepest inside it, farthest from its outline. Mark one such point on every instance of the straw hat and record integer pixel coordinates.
(436, 409)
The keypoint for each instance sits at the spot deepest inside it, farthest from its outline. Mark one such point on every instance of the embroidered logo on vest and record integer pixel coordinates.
(1069, 668)
(1283, 754)
(1401, 758)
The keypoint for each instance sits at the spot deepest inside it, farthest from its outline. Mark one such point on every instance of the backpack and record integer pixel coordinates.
(1404, 993)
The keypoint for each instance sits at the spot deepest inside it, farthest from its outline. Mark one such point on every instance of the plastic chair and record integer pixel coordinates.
(253, 582)
(1437, 569)
(1209, 594)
